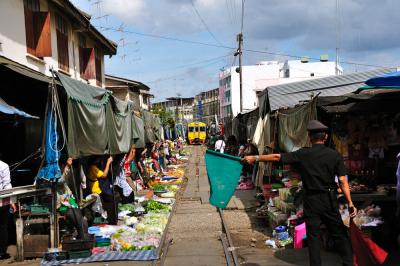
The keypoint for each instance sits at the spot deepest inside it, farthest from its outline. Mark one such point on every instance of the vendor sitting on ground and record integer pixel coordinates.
(66, 203)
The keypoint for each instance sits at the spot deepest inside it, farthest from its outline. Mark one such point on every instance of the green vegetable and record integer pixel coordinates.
(155, 206)
(126, 207)
(148, 248)
(158, 187)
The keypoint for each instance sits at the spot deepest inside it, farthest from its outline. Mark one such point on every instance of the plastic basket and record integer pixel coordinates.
(78, 244)
(79, 254)
(37, 208)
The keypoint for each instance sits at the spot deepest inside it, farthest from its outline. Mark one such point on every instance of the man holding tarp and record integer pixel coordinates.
(319, 165)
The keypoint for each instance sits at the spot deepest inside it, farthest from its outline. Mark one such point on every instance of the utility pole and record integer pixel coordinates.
(239, 39)
(240, 69)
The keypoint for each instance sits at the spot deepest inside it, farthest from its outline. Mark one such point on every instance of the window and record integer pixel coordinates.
(33, 5)
(191, 129)
(86, 60)
(37, 29)
(98, 67)
(62, 43)
(202, 129)
(196, 129)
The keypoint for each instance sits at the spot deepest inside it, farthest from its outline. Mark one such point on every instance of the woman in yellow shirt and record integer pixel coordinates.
(99, 184)
(94, 174)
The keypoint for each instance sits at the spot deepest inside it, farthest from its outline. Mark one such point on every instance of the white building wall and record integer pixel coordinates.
(268, 69)
(12, 36)
(300, 70)
(267, 73)
(13, 41)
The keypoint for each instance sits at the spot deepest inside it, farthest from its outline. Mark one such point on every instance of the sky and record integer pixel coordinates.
(178, 47)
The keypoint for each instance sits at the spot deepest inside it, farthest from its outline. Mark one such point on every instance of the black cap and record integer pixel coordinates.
(316, 126)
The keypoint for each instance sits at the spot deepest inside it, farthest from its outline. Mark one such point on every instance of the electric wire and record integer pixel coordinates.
(14, 166)
(233, 48)
(178, 75)
(204, 23)
(241, 26)
(196, 63)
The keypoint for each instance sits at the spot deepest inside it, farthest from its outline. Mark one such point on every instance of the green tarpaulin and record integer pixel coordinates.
(98, 123)
(87, 133)
(157, 127)
(119, 125)
(224, 173)
(149, 134)
(293, 133)
(138, 132)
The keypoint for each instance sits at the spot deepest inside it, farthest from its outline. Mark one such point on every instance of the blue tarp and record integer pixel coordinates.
(142, 255)
(389, 80)
(50, 169)
(11, 110)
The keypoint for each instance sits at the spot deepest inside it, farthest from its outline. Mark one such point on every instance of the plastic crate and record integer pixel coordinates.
(59, 255)
(102, 242)
(79, 254)
(78, 244)
(37, 208)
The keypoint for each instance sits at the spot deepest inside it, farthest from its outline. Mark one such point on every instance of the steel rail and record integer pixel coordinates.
(231, 248)
(225, 244)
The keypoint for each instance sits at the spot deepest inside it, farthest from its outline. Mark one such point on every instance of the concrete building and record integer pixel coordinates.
(130, 90)
(53, 34)
(206, 106)
(37, 36)
(266, 73)
(181, 108)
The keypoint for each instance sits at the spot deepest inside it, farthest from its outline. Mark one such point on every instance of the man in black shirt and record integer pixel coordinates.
(319, 165)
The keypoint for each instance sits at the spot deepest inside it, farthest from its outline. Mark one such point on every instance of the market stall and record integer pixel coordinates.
(141, 228)
(364, 130)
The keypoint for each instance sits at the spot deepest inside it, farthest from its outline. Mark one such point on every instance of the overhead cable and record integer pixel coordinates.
(204, 23)
(231, 48)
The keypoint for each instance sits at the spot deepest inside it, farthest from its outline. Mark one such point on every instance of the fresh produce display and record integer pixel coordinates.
(143, 222)
(128, 239)
(168, 195)
(153, 205)
(158, 187)
(173, 188)
(126, 207)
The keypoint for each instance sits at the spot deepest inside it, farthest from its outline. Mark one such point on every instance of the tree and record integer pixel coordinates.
(166, 117)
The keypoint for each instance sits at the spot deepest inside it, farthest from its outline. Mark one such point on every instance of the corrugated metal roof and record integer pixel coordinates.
(291, 94)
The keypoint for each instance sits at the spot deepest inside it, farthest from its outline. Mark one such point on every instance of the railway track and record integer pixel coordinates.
(195, 189)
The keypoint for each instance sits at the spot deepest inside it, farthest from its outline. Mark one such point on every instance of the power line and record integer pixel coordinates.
(197, 63)
(231, 48)
(204, 23)
(241, 27)
(177, 75)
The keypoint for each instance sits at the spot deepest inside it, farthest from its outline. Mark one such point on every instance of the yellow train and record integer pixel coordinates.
(197, 132)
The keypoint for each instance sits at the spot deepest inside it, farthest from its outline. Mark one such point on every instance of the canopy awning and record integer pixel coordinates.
(389, 80)
(24, 70)
(11, 110)
(98, 123)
